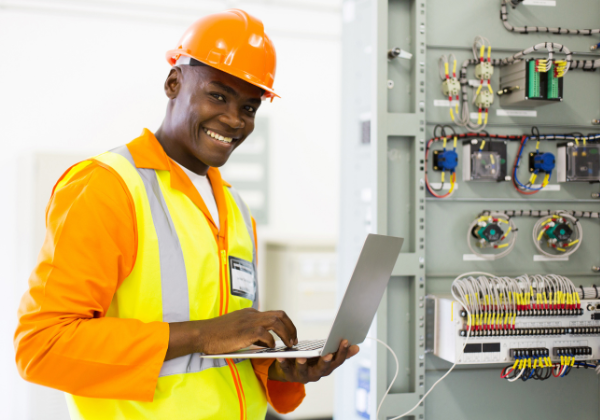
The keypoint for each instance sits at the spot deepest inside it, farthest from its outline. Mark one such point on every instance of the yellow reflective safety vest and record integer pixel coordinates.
(182, 273)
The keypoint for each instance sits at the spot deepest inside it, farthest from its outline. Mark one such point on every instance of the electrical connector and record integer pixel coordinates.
(484, 70)
(450, 87)
(485, 99)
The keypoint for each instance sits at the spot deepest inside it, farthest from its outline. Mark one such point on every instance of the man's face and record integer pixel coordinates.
(213, 113)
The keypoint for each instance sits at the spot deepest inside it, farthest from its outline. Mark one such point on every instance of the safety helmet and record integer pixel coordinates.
(232, 41)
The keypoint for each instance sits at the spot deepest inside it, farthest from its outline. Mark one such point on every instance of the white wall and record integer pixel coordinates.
(83, 77)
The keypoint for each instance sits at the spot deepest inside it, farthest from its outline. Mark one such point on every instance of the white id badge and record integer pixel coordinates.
(243, 279)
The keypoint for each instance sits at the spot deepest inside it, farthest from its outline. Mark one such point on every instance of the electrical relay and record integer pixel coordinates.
(484, 161)
(578, 162)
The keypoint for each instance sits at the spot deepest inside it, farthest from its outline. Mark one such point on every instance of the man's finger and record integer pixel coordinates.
(352, 351)
(302, 369)
(265, 337)
(290, 326)
(323, 366)
(288, 366)
(277, 325)
(340, 356)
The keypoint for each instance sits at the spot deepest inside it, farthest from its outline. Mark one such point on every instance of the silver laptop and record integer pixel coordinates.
(357, 310)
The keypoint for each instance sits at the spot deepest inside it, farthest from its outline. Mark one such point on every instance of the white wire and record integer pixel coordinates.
(447, 373)
(395, 375)
(517, 377)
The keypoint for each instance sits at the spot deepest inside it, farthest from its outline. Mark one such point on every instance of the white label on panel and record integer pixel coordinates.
(550, 3)
(475, 115)
(441, 102)
(438, 185)
(549, 187)
(473, 257)
(474, 83)
(515, 113)
(544, 258)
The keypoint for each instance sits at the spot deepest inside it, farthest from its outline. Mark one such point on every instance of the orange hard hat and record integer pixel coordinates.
(232, 41)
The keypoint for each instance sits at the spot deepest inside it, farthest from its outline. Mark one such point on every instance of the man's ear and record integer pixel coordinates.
(173, 82)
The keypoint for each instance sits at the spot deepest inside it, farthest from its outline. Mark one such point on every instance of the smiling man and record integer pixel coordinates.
(150, 258)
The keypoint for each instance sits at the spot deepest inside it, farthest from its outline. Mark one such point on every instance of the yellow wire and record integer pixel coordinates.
(454, 67)
(481, 51)
(444, 139)
(502, 246)
(455, 139)
(485, 121)
(482, 144)
(489, 51)
(479, 119)
(446, 68)
(540, 235)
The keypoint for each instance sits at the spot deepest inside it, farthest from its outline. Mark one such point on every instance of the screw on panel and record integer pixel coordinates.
(390, 84)
(596, 121)
(596, 269)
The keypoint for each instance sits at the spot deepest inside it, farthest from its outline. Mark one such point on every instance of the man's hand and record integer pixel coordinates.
(310, 370)
(230, 332)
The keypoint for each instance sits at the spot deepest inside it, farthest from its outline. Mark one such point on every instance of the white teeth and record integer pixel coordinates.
(218, 136)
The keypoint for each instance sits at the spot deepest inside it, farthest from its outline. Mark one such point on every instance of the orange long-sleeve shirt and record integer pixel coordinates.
(63, 339)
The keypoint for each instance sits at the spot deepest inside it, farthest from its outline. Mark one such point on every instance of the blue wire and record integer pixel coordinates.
(517, 166)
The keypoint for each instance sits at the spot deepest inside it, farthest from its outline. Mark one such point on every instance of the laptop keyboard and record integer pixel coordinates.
(301, 346)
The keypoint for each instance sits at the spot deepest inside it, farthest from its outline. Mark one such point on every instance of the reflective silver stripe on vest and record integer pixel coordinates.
(248, 222)
(175, 297)
(174, 286)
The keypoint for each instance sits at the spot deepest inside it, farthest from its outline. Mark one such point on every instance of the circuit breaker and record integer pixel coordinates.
(484, 161)
(578, 163)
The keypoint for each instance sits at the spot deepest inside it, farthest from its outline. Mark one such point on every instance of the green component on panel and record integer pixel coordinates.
(533, 79)
(552, 84)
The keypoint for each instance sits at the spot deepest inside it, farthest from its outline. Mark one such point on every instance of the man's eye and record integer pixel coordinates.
(219, 97)
(250, 109)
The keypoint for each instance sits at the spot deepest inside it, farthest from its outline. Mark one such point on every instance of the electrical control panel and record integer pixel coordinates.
(522, 84)
(576, 333)
(484, 161)
(578, 163)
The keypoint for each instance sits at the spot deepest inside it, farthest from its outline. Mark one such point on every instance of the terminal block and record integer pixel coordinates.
(484, 161)
(578, 163)
(533, 352)
(451, 87)
(484, 71)
(572, 351)
(522, 84)
(485, 99)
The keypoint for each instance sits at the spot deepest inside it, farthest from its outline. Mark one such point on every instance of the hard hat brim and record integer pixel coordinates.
(173, 55)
